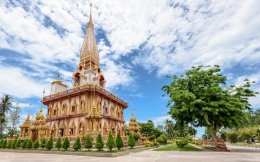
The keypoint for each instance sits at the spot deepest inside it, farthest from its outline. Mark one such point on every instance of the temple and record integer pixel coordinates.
(87, 108)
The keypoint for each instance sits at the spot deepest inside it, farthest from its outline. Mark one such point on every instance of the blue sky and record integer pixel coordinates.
(140, 42)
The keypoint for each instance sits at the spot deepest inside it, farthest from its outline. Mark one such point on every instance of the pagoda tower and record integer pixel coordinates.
(86, 108)
(133, 126)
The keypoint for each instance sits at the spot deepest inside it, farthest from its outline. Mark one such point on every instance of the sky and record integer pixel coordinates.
(139, 42)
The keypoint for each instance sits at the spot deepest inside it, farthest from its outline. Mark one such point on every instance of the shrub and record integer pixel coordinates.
(197, 142)
(4, 144)
(24, 143)
(36, 144)
(110, 142)
(29, 144)
(43, 143)
(66, 144)
(58, 143)
(136, 136)
(181, 142)
(14, 144)
(156, 144)
(233, 137)
(159, 140)
(164, 138)
(131, 140)
(77, 145)
(152, 137)
(148, 144)
(119, 142)
(246, 134)
(18, 143)
(49, 144)
(88, 142)
(99, 142)
(9, 144)
(1, 143)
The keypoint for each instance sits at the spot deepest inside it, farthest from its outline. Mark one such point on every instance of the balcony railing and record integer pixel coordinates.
(83, 89)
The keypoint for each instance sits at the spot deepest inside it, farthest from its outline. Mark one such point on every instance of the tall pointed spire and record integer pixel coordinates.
(89, 51)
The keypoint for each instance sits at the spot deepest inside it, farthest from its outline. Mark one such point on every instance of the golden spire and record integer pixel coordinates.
(28, 117)
(89, 49)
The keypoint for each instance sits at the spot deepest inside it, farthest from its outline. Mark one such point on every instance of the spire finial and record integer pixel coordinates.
(90, 12)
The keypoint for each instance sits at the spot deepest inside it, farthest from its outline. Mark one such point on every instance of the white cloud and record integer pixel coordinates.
(15, 83)
(161, 119)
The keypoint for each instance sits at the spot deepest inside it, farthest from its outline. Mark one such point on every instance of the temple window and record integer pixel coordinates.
(81, 128)
(81, 106)
(71, 131)
(61, 131)
(63, 109)
(118, 114)
(105, 109)
(54, 112)
(52, 133)
(73, 109)
(26, 132)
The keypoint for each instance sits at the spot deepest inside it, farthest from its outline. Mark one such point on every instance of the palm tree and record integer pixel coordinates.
(6, 103)
(169, 128)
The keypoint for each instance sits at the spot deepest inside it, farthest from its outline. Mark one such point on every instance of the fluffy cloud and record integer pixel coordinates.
(161, 36)
(14, 82)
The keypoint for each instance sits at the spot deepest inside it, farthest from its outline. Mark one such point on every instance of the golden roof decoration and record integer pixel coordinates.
(73, 126)
(27, 122)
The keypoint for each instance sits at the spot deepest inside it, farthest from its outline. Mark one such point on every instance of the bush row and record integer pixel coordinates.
(65, 144)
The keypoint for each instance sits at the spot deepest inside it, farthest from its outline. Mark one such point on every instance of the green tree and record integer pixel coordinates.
(203, 98)
(6, 103)
(131, 140)
(99, 142)
(119, 142)
(66, 144)
(110, 142)
(24, 143)
(49, 144)
(77, 144)
(58, 143)
(88, 142)
(29, 144)
(18, 143)
(147, 129)
(14, 144)
(43, 143)
(36, 144)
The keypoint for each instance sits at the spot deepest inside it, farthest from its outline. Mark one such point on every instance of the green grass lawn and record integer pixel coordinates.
(174, 147)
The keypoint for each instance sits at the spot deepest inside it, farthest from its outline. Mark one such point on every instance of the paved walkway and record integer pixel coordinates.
(145, 156)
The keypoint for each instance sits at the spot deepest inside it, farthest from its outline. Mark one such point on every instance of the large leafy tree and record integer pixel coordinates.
(203, 98)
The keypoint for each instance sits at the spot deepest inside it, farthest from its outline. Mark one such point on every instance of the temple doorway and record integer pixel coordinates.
(34, 135)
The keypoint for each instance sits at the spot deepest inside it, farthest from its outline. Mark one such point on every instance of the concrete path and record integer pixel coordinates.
(145, 156)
